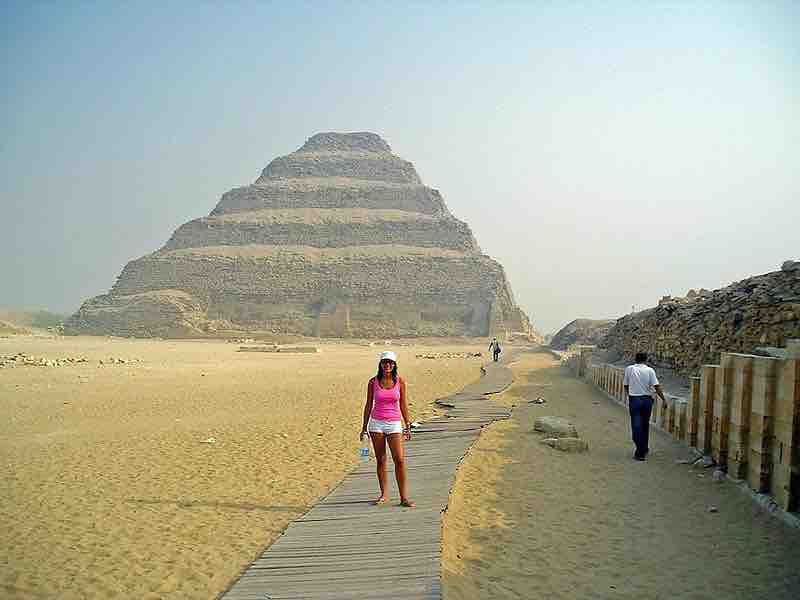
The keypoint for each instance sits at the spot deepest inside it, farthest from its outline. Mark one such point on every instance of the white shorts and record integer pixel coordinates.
(384, 427)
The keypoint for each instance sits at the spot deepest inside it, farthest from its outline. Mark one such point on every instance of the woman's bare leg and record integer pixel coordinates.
(399, 457)
(379, 444)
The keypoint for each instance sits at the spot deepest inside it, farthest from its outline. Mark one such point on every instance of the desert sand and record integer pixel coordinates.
(111, 487)
(528, 521)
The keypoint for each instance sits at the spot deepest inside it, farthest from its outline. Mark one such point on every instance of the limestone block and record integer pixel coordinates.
(742, 389)
(706, 413)
(782, 473)
(671, 416)
(763, 387)
(785, 483)
(722, 410)
(761, 423)
(567, 444)
(680, 431)
(555, 426)
(738, 451)
(759, 468)
(693, 412)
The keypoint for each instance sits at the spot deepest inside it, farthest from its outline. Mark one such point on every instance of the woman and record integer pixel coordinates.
(384, 413)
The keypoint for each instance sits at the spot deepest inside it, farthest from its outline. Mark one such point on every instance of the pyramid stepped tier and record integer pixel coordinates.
(337, 239)
(358, 155)
(325, 228)
(357, 165)
(332, 192)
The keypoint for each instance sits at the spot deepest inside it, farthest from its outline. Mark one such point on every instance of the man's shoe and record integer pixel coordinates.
(637, 457)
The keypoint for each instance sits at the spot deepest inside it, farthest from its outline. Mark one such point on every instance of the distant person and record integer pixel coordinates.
(639, 379)
(494, 348)
(384, 413)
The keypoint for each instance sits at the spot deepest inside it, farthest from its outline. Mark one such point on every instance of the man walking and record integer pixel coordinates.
(638, 381)
(494, 346)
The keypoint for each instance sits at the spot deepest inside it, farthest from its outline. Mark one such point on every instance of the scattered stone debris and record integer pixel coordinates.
(435, 355)
(538, 400)
(20, 359)
(713, 509)
(555, 427)
(118, 361)
(567, 444)
(210, 440)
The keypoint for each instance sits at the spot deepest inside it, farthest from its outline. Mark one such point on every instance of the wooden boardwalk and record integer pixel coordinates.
(347, 548)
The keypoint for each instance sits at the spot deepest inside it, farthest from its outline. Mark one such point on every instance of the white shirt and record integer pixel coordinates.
(639, 378)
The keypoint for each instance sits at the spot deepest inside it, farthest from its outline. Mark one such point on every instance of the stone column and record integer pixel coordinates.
(739, 433)
(722, 410)
(693, 413)
(761, 423)
(708, 387)
(786, 452)
(672, 406)
(680, 419)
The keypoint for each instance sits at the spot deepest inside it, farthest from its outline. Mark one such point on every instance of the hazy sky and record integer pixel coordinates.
(605, 153)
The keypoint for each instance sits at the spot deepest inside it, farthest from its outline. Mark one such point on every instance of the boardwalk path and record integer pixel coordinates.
(347, 548)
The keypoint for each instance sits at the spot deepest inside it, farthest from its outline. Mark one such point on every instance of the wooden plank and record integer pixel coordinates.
(327, 553)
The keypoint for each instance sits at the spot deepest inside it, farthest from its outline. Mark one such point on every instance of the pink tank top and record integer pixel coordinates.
(385, 403)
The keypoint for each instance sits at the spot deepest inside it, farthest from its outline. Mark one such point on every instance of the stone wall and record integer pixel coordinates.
(743, 412)
(685, 333)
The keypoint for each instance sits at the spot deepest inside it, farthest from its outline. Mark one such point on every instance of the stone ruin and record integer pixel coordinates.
(581, 331)
(686, 333)
(337, 239)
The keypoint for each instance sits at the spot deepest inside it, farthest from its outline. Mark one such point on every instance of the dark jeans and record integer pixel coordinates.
(496, 354)
(640, 408)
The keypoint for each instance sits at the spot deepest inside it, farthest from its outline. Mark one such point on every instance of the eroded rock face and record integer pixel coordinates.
(340, 238)
(581, 331)
(685, 333)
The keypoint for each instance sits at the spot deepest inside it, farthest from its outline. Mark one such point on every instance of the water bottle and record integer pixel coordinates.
(363, 452)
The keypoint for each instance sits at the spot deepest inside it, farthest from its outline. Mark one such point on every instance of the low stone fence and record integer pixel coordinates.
(743, 412)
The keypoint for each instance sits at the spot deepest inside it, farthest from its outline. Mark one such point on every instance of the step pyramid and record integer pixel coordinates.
(337, 239)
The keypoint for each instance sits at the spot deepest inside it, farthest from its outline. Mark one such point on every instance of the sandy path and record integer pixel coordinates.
(108, 491)
(527, 521)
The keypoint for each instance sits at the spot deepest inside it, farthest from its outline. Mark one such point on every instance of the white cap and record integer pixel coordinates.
(388, 355)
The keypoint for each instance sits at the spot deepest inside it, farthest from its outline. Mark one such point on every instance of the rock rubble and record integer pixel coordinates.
(21, 359)
(685, 333)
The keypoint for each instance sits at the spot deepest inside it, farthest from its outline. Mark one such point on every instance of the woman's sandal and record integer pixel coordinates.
(408, 503)
(381, 501)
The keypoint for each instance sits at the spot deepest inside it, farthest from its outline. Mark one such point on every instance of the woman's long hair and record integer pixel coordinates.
(379, 376)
